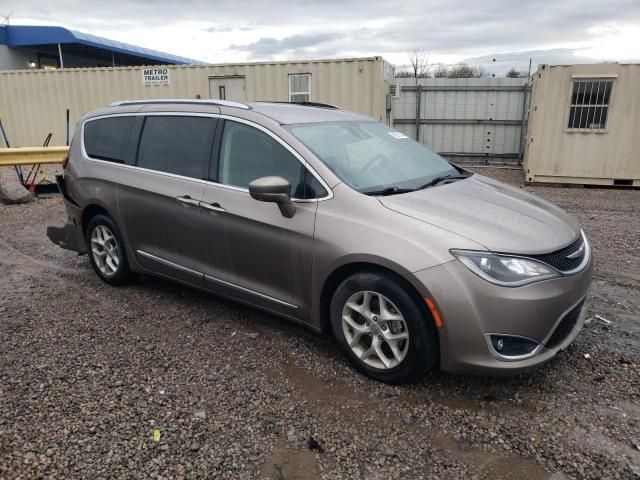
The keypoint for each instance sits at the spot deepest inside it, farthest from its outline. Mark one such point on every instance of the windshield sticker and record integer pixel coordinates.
(397, 135)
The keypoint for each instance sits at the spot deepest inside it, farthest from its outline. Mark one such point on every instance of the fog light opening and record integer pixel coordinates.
(510, 347)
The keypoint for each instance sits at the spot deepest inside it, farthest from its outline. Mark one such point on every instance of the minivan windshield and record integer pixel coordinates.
(373, 158)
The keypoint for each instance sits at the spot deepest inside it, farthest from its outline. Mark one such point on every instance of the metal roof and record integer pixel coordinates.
(26, 36)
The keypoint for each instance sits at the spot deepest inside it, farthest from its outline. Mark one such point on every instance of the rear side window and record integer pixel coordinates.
(178, 145)
(108, 138)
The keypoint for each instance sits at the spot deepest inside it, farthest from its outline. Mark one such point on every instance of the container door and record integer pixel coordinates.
(227, 88)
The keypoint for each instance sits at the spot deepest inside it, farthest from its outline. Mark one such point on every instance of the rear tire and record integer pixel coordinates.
(382, 330)
(106, 251)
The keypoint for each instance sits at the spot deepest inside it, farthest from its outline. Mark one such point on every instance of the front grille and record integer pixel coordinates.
(559, 259)
(565, 327)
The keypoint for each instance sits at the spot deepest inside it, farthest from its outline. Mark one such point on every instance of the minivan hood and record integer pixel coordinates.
(500, 217)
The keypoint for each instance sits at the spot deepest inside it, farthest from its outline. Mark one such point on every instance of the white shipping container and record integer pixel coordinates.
(33, 103)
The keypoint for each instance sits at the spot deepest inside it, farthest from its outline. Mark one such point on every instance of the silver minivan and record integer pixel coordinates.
(334, 221)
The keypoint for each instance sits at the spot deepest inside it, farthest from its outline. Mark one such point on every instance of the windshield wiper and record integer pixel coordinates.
(437, 180)
(389, 191)
(395, 190)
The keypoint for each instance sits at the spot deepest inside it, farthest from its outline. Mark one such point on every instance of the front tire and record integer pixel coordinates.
(106, 251)
(382, 330)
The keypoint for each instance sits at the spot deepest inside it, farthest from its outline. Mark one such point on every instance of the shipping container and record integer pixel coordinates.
(34, 103)
(584, 125)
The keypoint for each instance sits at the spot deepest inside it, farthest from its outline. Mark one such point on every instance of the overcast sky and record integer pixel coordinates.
(569, 31)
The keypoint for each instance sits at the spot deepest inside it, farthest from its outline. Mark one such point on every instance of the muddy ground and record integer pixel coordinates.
(89, 371)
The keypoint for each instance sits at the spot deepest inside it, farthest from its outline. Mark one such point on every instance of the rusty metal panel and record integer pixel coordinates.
(33, 103)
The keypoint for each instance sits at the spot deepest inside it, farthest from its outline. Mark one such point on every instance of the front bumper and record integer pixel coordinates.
(471, 308)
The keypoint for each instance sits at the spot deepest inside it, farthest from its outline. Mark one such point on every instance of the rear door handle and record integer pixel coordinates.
(213, 207)
(187, 200)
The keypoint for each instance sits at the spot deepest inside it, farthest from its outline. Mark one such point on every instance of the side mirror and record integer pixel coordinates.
(276, 190)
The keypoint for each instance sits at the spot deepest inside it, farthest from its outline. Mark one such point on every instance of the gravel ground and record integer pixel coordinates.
(88, 372)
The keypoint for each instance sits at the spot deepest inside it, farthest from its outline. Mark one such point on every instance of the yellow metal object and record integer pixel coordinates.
(31, 155)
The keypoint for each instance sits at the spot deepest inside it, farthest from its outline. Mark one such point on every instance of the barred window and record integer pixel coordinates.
(300, 88)
(590, 104)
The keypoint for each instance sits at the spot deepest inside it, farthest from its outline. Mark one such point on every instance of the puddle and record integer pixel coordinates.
(287, 463)
(445, 398)
(484, 464)
(326, 396)
(503, 468)
(320, 393)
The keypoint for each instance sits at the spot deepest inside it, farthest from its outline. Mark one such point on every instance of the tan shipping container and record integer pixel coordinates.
(600, 148)
(33, 103)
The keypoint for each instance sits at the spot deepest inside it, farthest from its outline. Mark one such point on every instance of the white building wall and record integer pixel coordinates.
(13, 58)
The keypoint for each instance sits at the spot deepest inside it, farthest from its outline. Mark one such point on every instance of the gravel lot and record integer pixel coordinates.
(89, 371)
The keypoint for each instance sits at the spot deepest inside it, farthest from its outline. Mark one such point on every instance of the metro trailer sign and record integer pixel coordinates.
(155, 76)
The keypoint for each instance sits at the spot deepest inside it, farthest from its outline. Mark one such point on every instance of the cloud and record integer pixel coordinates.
(295, 44)
(450, 30)
(229, 28)
(500, 63)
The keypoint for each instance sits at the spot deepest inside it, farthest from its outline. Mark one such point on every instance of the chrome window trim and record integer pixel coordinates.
(300, 158)
(248, 290)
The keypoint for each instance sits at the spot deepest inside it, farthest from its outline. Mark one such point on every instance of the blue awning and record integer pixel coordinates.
(29, 36)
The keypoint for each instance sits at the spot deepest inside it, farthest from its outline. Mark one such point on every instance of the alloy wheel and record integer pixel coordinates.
(104, 250)
(375, 330)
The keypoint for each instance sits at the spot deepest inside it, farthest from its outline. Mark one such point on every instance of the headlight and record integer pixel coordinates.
(505, 270)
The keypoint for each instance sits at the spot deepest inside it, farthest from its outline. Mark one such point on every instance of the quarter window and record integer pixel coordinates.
(108, 138)
(300, 88)
(180, 145)
(590, 104)
(247, 153)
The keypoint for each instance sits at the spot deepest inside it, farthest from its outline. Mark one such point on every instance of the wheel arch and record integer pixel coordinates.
(345, 270)
(91, 211)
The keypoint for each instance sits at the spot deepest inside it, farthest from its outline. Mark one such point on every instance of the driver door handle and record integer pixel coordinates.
(187, 200)
(213, 207)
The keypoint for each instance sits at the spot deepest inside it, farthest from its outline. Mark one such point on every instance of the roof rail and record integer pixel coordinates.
(224, 103)
(308, 104)
(317, 104)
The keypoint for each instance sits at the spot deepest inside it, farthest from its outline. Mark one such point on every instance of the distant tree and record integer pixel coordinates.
(418, 62)
(482, 73)
(404, 71)
(513, 73)
(460, 70)
(440, 71)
